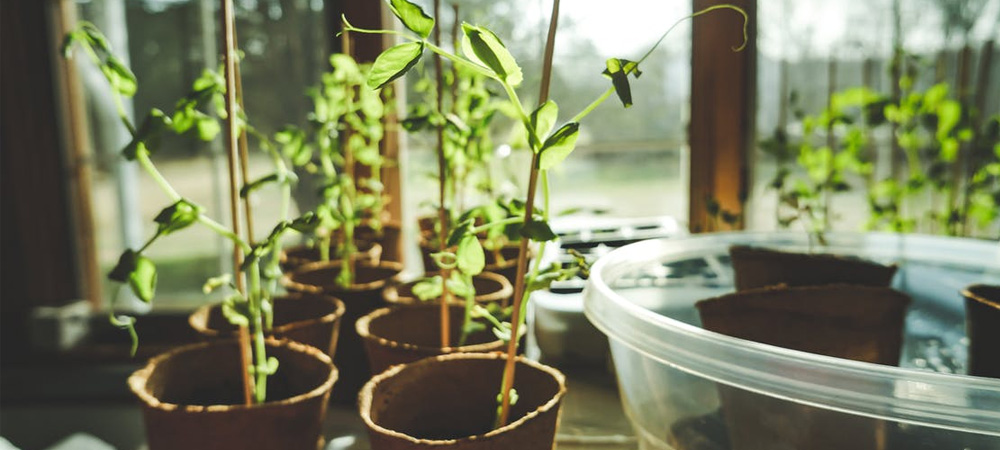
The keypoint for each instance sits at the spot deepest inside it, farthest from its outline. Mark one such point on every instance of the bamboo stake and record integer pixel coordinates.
(348, 238)
(529, 207)
(243, 145)
(232, 145)
(442, 211)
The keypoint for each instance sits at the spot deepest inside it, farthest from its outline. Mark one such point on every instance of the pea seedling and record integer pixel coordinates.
(484, 53)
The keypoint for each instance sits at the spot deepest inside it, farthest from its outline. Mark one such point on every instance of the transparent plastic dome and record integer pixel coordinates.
(674, 376)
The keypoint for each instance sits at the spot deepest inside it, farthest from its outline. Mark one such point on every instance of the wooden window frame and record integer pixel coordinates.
(723, 105)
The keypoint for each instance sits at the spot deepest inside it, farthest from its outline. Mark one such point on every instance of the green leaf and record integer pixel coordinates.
(216, 282)
(428, 288)
(559, 145)
(95, 37)
(538, 230)
(949, 149)
(126, 264)
(461, 285)
(147, 137)
(935, 95)
(236, 311)
(208, 128)
(543, 119)
(482, 46)
(257, 184)
(459, 233)
(306, 223)
(618, 70)
(470, 258)
(142, 280)
(394, 63)
(71, 38)
(545, 279)
(412, 17)
(949, 114)
(119, 76)
(177, 216)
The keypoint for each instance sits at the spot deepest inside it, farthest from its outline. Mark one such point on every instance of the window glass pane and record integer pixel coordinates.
(811, 51)
(168, 43)
(628, 162)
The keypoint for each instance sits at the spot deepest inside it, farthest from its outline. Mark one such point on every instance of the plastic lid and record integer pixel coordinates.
(958, 402)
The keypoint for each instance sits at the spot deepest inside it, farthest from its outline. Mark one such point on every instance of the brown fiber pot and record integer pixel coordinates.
(449, 402)
(405, 334)
(297, 256)
(490, 288)
(860, 323)
(389, 238)
(311, 319)
(759, 267)
(359, 299)
(192, 399)
(982, 326)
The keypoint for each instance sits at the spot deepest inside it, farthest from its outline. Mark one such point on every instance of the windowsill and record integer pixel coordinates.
(591, 414)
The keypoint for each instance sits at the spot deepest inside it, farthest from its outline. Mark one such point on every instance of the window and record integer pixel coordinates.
(812, 50)
(628, 162)
(168, 43)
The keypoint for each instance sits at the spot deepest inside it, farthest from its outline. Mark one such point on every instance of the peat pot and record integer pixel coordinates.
(311, 319)
(982, 325)
(405, 334)
(389, 238)
(490, 288)
(297, 256)
(192, 398)
(449, 402)
(675, 377)
(361, 298)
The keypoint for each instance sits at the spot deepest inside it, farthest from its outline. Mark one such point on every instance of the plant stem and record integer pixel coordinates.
(696, 14)
(142, 156)
(522, 257)
(442, 180)
(259, 348)
(593, 105)
(224, 232)
(458, 60)
(470, 302)
(488, 226)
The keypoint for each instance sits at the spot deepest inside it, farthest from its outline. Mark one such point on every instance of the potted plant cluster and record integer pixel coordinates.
(405, 407)
(343, 136)
(254, 391)
(346, 129)
(455, 299)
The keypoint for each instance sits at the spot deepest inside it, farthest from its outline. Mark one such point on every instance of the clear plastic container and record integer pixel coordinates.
(672, 373)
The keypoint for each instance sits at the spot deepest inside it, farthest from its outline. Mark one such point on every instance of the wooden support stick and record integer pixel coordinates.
(232, 145)
(529, 211)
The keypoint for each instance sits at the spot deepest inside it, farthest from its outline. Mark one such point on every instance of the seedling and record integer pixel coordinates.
(936, 191)
(245, 307)
(345, 126)
(484, 53)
